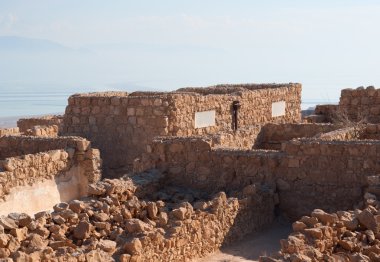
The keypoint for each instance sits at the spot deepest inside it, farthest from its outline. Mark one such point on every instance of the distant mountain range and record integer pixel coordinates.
(24, 44)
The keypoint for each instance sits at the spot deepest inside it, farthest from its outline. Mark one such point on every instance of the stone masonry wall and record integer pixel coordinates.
(11, 146)
(58, 175)
(27, 170)
(193, 162)
(123, 126)
(243, 138)
(304, 172)
(45, 131)
(361, 103)
(9, 131)
(256, 107)
(272, 135)
(329, 111)
(313, 170)
(27, 123)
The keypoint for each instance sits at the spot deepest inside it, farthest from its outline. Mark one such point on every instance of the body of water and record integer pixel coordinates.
(13, 104)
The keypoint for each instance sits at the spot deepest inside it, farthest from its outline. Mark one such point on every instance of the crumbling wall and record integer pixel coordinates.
(113, 224)
(272, 135)
(28, 123)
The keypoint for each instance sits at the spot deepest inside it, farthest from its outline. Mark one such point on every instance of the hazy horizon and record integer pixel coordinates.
(70, 46)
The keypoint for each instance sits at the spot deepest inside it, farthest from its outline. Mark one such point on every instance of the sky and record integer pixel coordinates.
(70, 45)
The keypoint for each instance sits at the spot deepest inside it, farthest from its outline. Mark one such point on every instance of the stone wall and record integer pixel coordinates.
(120, 126)
(272, 135)
(112, 224)
(328, 111)
(204, 230)
(315, 169)
(123, 126)
(46, 131)
(256, 106)
(193, 162)
(9, 131)
(361, 104)
(28, 123)
(371, 132)
(304, 172)
(35, 182)
(243, 138)
(11, 146)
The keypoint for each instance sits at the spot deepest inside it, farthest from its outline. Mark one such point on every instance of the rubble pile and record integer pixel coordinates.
(112, 224)
(341, 236)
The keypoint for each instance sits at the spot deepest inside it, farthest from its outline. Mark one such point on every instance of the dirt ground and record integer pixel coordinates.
(253, 246)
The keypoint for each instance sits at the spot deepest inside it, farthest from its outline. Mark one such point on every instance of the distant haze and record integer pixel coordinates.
(73, 46)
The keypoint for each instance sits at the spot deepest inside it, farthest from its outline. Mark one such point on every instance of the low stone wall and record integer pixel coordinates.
(201, 231)
(303, 172)
(36, 182)
(28, 123)
(328, 111)
(192, 162)
(113, 224)
(272, 135)
(45, 131)
(243, 138)
(9, 131)
(343, 134)
(11, 146)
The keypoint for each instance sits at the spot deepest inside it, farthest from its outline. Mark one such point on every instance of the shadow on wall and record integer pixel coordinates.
(45, 194)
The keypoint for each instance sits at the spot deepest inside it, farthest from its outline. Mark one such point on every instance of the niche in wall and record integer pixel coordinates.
(278, 108)
(204, 119)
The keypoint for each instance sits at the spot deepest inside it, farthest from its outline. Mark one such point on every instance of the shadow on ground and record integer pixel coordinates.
(252, 246)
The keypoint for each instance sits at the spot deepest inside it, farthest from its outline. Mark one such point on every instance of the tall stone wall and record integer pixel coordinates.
(123, 126)
(256, 107)
(318, 169)
(361, 104)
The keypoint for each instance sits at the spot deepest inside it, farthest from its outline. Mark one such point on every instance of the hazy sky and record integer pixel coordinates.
(325, 45)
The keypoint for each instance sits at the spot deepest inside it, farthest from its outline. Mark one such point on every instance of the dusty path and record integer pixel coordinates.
(253, 246)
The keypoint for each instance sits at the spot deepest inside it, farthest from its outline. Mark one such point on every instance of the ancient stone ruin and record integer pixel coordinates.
(174, 176)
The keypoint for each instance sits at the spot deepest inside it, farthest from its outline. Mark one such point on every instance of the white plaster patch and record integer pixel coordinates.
(205, 119)
(278, 108)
